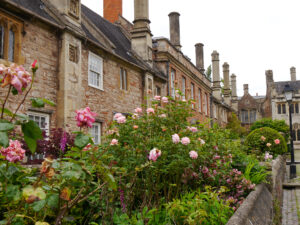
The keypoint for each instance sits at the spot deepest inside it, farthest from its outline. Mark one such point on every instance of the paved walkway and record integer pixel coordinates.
(291, 203)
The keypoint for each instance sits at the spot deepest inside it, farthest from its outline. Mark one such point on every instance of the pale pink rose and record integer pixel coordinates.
(165, 100)
(157, 97)
(14, 152)
(117, 115)
(150, 110)
(268, 156)
(135, 116)
(205, 170)
(135, 127)
(154, 154)
(175, 138)
(201, 141)
(214, 172)
(193, 129)
(251, 186)
(121, 119)
(217, 157)
(114, 142)
(277, 141)
(85, 118)
(193, 154)
(185, 141)
(269, 144)
(138, 110)
(262, 138)
(162, 116)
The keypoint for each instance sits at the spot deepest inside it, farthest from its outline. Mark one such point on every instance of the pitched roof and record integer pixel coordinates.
(279, 86)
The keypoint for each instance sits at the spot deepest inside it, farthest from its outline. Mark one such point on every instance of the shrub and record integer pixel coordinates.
(234, 125)
(264, 140)
(278, 125)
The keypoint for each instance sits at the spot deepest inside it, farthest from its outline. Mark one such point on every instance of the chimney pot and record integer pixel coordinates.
(112, 9)
(293, 74)
(233, 86)
(246, 89)
(175, 29)
(199, 57)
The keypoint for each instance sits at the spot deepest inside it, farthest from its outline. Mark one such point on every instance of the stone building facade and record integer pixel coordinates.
(108, 64)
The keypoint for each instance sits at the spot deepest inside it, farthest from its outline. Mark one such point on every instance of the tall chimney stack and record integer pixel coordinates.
(199, 57)
(175, 29)
(269, 81)
(112, 9)
(226, 83)
(293, 74)
(216, 75)
(141, 41)
(246, 89)
(234, 98)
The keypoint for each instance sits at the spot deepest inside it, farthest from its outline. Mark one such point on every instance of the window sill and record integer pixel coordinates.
(5, 62)
(100, 89)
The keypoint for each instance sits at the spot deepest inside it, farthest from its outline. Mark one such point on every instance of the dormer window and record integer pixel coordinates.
(74, 8)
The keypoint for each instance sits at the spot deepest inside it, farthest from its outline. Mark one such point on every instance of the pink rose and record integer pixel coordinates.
(162, 115)
(217, 157)
(135, 116)
(85, 118)
(157, 97)
(135, 127)
(154, 154)
(193, 154)
(121, 119)
(185, 141)
(117, 115)
(269, 144)
(201, 141)
(277, 141)
(13, 152)
(114, 142)
(193, 129)
(150, 110)
(205, 170)
(138, 110)
(262, 138)
(175, 138)
(165, 100)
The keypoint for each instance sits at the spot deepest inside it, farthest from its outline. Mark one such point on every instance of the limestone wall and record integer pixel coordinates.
(260, 205)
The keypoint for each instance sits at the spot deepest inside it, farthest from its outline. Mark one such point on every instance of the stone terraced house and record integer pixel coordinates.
(108, 64)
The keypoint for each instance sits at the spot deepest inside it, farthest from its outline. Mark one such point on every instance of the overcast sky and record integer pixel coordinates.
(251, 35)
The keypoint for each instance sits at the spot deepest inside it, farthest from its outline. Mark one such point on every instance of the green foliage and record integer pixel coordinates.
(255, 174)
(278, 125)
(40, 102)
(234, 125)
(32, 133)
(208, 72)
(258, 140)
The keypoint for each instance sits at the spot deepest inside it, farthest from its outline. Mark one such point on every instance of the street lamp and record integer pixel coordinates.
(288, 92)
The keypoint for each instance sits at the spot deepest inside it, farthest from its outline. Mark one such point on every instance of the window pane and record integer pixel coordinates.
(121, 78)
(173, 83)
(283, 109)
(292, 107)
(279, 108)
(192, 91)
(1, 42)
(11, 46)
(199, 100)
(183, 87)
(298, 135)
(246, 116)
(95, 132)
(296, 108)
(294, 135)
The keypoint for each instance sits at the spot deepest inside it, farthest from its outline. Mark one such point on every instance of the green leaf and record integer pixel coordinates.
(111, 181)
(32, 133)
(14, 91)
(6, 126)
(7, 112)
(4, 139)
(48, 102)
(81, 140)
(31, 143)
(37, 102)
(53, 201)
(13, 192)
(37, 206)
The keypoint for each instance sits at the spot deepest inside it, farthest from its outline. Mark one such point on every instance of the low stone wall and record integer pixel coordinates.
(258, 208)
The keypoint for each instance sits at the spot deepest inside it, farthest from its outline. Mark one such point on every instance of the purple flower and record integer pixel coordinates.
(63, 142)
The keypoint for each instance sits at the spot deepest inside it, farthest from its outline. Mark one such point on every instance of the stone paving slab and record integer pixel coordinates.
(289, 209)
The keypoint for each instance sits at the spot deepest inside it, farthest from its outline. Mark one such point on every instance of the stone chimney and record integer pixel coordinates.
(112, 9)
(216, 75)
(234, 98)
(175, 29)
(226, 83)
(246, 89)
(293, 74)
(199, 57)
(141, 41)
(70, 9)
(269, 81)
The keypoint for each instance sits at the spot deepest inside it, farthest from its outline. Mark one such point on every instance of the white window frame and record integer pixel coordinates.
(99, 125)
(199, 100)
(99, 70)
(47, 129)
(183, 87)
(123, 79)
(173, 77)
